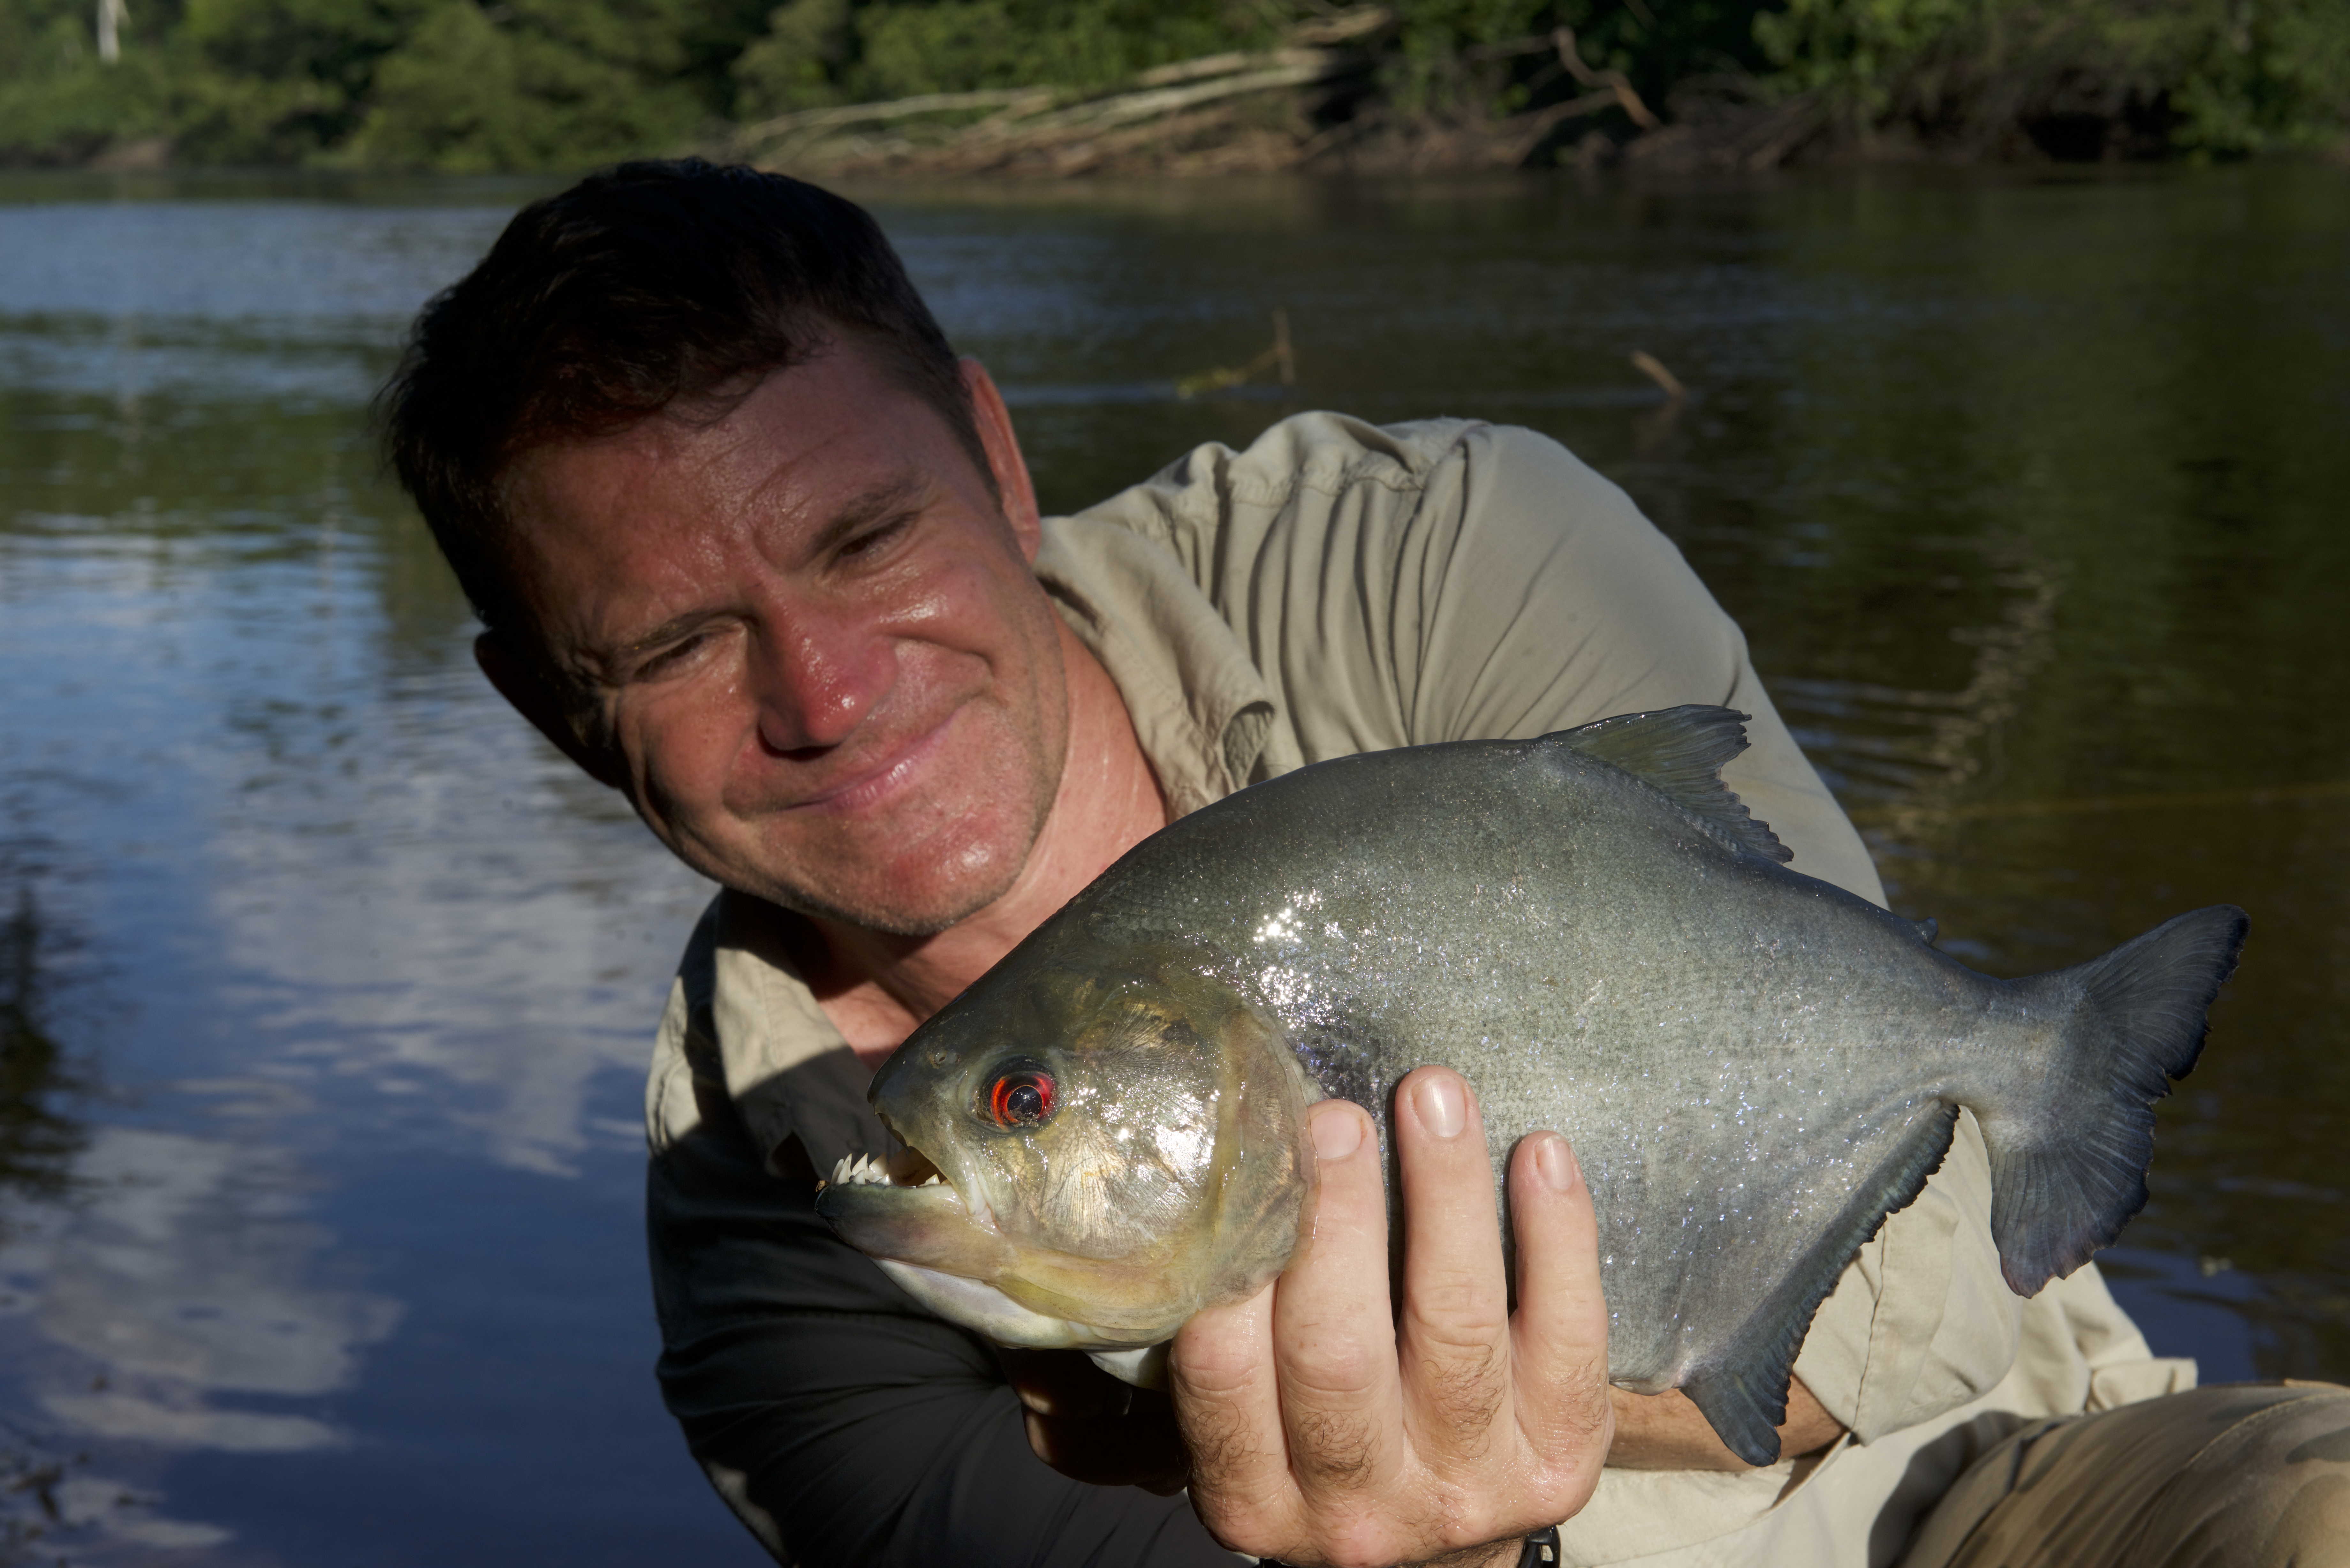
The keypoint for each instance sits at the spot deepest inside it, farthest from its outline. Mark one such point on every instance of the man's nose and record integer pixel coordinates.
(815, 678)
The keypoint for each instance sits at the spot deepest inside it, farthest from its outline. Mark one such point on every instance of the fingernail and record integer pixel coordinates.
(1337, 1133)
(1438, 1099)
(1555, 1160)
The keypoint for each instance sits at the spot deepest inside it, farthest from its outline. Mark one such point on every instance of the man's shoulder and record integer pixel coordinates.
(1319, 487)
(1321, 453)
(743, 1032)
(1348, 581)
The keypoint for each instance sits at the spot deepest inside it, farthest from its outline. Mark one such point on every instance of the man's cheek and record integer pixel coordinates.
(973, 601)
(679, 762)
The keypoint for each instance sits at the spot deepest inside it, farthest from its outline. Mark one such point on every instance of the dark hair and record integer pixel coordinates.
(643, 286)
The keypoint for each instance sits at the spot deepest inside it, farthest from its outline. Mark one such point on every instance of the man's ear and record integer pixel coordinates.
(1004, 459)
(521, 683)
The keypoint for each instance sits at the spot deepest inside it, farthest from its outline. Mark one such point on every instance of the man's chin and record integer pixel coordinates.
(913, 906)
(889, 919)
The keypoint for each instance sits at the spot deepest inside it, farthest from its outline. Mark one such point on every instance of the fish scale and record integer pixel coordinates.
(1755, 1067)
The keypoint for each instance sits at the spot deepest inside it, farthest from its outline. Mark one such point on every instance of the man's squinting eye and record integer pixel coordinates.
(667, 660)
(874, 540)
(1019, 1093)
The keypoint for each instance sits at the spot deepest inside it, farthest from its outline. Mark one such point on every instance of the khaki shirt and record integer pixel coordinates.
(1340, 587)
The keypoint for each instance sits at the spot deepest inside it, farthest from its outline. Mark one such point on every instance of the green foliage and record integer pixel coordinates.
(2274, 74)
(546, 84)
(2211, 76)
(819, 52)
(560, 82)
(802, 61)
(441, 83)
(1653, 44)
(58, 103)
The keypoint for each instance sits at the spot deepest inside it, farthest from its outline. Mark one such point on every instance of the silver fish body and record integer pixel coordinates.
(1755, 1067)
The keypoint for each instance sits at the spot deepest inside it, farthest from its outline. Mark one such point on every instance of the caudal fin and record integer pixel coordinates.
(2068, 1164)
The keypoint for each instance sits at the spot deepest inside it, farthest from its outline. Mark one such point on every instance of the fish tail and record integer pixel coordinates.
(2068, 1165)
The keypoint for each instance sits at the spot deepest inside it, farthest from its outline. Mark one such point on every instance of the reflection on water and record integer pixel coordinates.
(35, 1137)
(2027, 493)
(188, 1272)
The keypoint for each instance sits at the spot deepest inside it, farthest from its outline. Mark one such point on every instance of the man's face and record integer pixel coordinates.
(825, 670)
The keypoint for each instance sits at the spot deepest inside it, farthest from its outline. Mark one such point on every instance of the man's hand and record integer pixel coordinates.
(1326, 1429)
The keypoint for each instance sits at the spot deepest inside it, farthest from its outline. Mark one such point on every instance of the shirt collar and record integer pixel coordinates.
(1201, 709)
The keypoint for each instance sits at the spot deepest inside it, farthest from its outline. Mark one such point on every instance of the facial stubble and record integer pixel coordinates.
(1046, 741)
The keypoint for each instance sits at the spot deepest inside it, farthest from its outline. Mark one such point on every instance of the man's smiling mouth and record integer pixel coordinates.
(863, 791)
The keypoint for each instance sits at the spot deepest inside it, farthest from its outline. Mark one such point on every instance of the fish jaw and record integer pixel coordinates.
(921, 1224)
(978, 1305)
(905, 1215)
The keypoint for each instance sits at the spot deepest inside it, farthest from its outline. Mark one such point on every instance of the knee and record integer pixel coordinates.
(2272, 1489)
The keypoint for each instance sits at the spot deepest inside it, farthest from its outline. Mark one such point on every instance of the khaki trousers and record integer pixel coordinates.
(2234, 1476)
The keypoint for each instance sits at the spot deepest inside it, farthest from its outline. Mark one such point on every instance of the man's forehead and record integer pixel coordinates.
(838, 406)
(802, 450)
(621, 533)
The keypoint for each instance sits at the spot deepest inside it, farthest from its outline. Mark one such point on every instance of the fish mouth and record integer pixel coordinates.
(900, 1208)
(910, 1166)
(901, 1211)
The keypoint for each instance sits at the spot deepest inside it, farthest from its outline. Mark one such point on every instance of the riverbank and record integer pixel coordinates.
(1325, 101)
(1174, 86)
(1316, 105)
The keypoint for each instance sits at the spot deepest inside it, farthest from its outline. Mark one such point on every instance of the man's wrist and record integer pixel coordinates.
(1536, 1550)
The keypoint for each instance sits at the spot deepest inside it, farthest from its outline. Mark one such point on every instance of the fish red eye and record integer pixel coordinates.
(1020, 1095)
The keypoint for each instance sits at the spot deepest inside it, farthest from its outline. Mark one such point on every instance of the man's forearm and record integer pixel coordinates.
(1665, 1432)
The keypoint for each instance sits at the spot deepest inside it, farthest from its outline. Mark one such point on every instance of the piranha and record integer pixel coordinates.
(1105, 1133)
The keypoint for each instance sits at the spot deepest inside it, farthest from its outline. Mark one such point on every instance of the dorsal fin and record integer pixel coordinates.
(1679, 753)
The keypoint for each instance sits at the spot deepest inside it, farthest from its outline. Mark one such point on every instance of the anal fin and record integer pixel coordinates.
(1743, 1394)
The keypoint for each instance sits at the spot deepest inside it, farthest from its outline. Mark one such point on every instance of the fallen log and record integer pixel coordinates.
(842, 116)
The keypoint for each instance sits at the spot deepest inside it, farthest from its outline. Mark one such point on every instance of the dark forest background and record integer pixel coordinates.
(462, 85)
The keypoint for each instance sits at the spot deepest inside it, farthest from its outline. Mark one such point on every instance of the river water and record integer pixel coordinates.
(325, 988)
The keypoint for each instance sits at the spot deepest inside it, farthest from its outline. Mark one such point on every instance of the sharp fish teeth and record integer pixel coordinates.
(868, 1170)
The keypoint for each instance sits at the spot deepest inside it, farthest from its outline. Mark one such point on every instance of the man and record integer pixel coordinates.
(751, 547)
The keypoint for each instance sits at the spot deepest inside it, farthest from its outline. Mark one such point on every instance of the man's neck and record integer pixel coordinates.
(877, 987)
